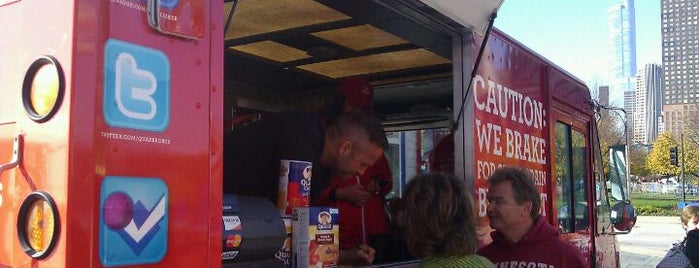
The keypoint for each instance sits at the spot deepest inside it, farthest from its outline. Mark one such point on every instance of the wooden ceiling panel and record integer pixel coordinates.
(360, 37)
(385, 62)
(265, 16)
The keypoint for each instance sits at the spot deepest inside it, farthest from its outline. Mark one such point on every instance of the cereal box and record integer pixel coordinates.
(284, 254)
(294, 185)
(315, 235)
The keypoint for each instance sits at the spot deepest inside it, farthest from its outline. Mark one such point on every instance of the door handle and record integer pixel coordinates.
(16, 154)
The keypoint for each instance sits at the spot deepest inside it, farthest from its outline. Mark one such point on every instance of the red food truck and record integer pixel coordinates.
(112, 115)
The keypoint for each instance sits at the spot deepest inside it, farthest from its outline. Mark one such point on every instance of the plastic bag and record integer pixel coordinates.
(675, 258)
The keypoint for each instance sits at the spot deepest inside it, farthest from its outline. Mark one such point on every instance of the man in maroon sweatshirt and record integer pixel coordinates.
(523, 238)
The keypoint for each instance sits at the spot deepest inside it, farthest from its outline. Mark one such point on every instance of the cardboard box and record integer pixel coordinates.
(294, 185)
(284, 254)
(315, 236)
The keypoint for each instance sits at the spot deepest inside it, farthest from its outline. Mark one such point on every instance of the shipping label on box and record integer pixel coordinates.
(294, 185)
(316, 237)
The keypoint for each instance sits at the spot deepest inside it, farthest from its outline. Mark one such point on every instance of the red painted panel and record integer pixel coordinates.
(511, 120)
(179, 155)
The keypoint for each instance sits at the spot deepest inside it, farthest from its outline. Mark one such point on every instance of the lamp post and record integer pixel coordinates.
(684, 193)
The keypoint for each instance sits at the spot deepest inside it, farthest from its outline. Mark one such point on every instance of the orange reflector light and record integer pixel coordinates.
(38, 225)
(44, 90)
(43, 87)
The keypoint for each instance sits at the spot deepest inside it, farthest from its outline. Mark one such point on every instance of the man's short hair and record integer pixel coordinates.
(359, 122)
(523, 186)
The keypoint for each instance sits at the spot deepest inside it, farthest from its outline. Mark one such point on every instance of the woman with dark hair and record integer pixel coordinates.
(440, 224)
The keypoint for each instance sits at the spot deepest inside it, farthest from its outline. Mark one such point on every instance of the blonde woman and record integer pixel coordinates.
(685, 254)
(690, 221)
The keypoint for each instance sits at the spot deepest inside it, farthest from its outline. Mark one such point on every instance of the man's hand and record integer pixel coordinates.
(355, 194)
(363, 255)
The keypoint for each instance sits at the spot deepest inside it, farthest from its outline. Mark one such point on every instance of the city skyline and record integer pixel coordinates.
(574, 35)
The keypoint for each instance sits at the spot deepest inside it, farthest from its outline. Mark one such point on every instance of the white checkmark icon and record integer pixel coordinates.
(155, 216)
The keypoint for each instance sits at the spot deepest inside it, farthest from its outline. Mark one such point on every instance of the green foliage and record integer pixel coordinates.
(655, 211)
(655, 204)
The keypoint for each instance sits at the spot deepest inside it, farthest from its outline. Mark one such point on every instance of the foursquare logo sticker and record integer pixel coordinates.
(136, 87)
(168, 3)
(133, 220)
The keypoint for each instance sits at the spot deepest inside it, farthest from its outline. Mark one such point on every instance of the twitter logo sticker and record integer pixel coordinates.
(136, 87)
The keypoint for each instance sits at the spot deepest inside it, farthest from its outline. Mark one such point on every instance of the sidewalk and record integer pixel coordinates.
(649, 240)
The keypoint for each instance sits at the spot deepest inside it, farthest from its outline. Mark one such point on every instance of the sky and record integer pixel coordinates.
(573, 34)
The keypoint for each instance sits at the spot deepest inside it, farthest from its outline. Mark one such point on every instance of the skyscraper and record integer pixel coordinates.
(603, 95)
(622, 50)
(629, 108)
(680, 62)
(648, 104)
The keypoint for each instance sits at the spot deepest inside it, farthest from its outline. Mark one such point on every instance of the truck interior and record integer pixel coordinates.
(284, 54)
(293, 54)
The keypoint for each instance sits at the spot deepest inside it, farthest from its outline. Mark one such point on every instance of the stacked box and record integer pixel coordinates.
(294, 185)
(315, 236)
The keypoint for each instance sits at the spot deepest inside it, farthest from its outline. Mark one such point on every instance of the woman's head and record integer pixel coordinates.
(439, 216)
(690, 217)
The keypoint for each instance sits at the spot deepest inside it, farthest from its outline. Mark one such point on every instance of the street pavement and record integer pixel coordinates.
(649, 240)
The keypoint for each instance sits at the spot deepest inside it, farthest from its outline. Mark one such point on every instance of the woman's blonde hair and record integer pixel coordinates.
(439, 217)
(689, 212)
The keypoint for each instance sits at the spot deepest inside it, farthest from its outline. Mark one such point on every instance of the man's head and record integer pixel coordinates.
(513, 199)
(353, 141)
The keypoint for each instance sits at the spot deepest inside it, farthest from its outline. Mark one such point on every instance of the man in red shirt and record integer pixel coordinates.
(523, 238)
(360, 199)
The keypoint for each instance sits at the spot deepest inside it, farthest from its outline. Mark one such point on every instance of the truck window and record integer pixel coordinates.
(409, 154)
(571, 179)
(579, 146)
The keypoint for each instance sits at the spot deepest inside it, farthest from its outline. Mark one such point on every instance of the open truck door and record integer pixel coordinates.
(110, 134)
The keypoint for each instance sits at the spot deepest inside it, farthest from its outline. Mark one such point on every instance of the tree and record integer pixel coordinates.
(691, 126)
(658, 160)
(638, 156)
(611, 132)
